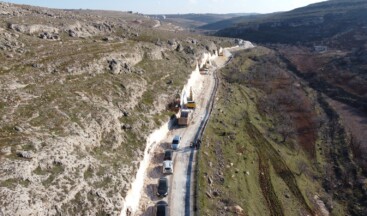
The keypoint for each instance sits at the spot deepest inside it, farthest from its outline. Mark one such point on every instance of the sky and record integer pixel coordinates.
(174, 6)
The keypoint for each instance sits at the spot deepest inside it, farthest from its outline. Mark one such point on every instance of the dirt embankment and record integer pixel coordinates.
(355, 123)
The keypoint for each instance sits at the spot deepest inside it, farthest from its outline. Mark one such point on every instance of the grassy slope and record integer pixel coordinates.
(240, 134)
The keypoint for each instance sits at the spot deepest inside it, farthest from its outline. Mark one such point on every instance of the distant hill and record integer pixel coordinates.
(311, 23)
(226, 23)
(196, 20)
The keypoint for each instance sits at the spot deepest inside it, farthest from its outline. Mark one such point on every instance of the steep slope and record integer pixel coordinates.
(81, 90)
(275, 146)
(292, 141)
(325, 44)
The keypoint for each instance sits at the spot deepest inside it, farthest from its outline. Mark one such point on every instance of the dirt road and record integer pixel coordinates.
(180, 202)
(180, 198)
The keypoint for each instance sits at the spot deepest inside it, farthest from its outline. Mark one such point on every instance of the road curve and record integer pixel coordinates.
(181, 200)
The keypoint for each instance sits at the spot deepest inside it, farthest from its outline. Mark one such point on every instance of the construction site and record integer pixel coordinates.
(184, 105)
(191, 111)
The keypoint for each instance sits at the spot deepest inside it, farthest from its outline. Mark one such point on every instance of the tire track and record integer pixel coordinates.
(274, 204)
(266, 150)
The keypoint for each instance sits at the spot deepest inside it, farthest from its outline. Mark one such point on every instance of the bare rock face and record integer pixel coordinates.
(321, 205)
(10, 42)
(80, 30)
(6, 150)
(46, 35)
(236, 209)
(5, 8)
(84, 30)
(114, 66)
(32, 29)
(123, 62)
(154, 52)
(179, 48)
(25, 154)
(211, 47)
(172, 44)
(190, 50)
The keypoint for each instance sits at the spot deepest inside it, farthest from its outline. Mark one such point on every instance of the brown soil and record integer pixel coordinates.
(302, 114)
(355, 122)
(305, 127)
(267, 188)
(266, 150)
(332, 67)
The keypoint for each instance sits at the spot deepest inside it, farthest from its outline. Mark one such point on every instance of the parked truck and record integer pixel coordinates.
(185, 117)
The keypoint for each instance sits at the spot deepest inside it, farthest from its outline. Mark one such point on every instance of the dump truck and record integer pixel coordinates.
(185, 117)
(205, 67)
(204, 70)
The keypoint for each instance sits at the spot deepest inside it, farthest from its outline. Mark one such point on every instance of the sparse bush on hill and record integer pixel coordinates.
(283, 99)
(280, 113)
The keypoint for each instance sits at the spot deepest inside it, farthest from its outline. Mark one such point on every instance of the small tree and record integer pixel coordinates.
(302, 167)
(285, 128)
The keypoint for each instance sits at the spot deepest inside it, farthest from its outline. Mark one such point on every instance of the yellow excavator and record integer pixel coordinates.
(190, 101)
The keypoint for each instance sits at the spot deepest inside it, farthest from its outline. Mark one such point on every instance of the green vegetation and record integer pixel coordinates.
(53, 173)
(12, 183)
(252, 155)
(39, 171)
(106, 182)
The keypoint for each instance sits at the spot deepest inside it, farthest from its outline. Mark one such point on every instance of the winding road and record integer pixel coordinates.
(181, 188)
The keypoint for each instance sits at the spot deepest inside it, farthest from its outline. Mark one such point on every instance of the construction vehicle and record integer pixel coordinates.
(220, 52)
(190, 101)
(204, 71)
(185, 117)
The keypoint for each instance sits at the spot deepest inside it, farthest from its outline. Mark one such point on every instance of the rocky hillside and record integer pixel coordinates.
(80, 91)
